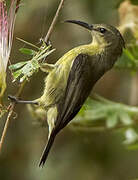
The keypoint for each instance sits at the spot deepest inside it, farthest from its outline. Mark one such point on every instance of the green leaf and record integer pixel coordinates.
(17, 65)
(27, 51)
(16, 74)
(134, 51)
(101, 110)
(112, 120)
(129, 58)
(125, 118)
(129, 54)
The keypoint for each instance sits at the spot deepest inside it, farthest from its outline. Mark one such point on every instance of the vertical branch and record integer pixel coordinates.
(53, 22)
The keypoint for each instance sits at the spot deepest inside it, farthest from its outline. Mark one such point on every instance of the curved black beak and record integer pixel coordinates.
(83, 24)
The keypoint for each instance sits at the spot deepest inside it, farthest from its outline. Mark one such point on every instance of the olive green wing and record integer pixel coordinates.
(79, 85)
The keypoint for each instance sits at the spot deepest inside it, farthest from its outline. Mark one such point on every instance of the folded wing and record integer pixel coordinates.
(79, 85)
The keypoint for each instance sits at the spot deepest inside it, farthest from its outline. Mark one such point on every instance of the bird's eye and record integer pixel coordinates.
(102, 30)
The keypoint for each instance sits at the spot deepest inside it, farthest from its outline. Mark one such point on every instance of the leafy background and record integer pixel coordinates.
(101, 142)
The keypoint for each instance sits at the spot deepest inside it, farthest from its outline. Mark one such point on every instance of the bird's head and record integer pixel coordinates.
(103, 34)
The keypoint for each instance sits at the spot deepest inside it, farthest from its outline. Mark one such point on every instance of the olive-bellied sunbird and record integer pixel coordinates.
(71, 79)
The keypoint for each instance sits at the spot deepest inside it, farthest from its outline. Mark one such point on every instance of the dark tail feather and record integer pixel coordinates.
(47, 149)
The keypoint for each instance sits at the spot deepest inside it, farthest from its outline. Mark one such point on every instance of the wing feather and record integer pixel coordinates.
(79, 86)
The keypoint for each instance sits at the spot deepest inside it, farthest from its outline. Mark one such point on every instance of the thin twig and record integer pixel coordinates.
(50, 30)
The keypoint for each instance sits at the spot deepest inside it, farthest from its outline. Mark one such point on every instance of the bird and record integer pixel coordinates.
(71, 79)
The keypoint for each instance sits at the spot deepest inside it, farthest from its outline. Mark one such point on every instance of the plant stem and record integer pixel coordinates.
(53, 22)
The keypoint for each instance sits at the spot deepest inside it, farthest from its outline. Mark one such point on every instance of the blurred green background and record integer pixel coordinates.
(75, 155)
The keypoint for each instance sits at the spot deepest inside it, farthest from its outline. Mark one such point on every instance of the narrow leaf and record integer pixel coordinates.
(16, 74)
(27, 51)
(17, 65)
(129, 54)
(112, 121)
(125, 118)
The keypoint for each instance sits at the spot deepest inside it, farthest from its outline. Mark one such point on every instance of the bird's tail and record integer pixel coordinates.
(47, 149)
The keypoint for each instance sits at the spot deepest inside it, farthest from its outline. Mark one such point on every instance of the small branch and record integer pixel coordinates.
(53, 22)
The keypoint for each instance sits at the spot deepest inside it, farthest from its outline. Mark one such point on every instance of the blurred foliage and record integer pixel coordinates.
(129, 59)
(135, 2)
(113, 113)
(102, 114)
